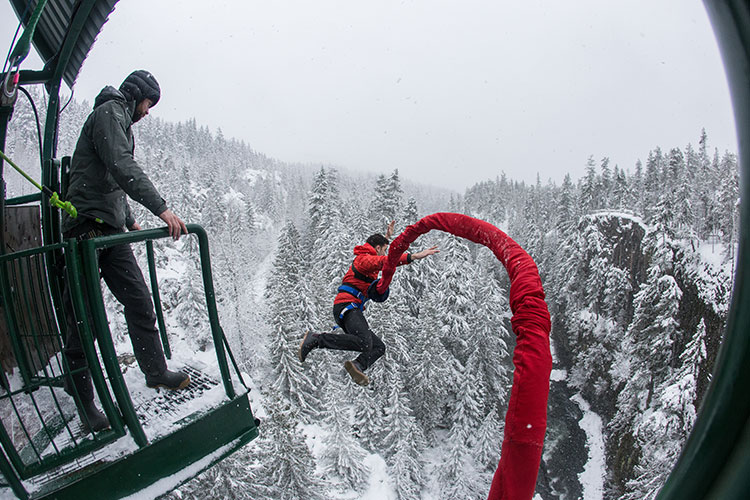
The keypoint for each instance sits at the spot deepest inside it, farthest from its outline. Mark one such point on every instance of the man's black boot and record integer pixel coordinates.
(309, 342)
(91, 418)
(168, 380)
(78, 385)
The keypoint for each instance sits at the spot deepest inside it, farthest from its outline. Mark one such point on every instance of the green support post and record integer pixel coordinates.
(213, 315)
(87, 341)
(5, 112)
(157, 298)
(50, 217)
(104, 336)
(10, 475)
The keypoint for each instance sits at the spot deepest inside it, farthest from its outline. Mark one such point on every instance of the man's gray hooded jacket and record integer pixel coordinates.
(103, 171)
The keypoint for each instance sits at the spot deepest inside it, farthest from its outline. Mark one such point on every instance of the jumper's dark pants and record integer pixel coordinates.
(357, 336)
(120, 271)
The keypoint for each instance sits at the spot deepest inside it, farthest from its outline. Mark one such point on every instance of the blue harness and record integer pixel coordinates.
(355, 293)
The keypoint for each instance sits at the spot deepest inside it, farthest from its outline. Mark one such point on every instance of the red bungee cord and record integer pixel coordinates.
(526, 419)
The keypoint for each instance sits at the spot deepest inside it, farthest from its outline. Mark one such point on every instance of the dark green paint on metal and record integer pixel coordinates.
(74, 270)
(106, 346)
(22, 200)
(23, 46)
(232, 422)
(208, 284)
(157, 298)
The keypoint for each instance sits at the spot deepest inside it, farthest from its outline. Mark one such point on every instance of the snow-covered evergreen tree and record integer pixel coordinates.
(342, 456)
(288, 469)
(403, 443)
(288, 324)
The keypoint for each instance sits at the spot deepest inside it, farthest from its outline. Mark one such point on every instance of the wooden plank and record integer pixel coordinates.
(34, 311)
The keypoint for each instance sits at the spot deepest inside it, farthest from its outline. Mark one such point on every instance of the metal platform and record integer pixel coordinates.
(178, 435)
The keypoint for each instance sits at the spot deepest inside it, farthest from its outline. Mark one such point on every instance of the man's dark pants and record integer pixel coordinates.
(357, 336)
(120, 271)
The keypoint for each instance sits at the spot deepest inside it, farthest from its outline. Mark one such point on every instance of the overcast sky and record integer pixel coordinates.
(450, 93)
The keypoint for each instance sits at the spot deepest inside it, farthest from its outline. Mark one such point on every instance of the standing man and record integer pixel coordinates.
(349, 306)
(103, 174)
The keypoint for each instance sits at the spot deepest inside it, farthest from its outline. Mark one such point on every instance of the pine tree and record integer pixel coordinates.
(607, 184)
(652, 181)
(342, 456)
(403, 443)
(189, 305)
(319, 203)
(455, 290)
(329, 243)
(589, 200)
(236, 477)
(566, 213)
(488, 356)
(434, 369)
(411, 214)
(288, 471)
(675, 167)
(368, 413)
(693, 360)
(457, 474)
(667, 423)
(395, 195)
(386, 202)
(380, 206)
(651, 334)
(489, 440)
(703, 183)
(288, 324)
(637, 188)
(621, 195)
(728, 199)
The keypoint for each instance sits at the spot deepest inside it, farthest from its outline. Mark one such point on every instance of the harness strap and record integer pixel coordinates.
(346, 288)
(353, 305)
(361, 276)
(348, 308)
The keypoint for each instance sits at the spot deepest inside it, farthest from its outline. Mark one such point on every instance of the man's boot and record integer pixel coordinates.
(91, 418)
(78, 385)
(356, 372)
(169, 380)
(309, 342)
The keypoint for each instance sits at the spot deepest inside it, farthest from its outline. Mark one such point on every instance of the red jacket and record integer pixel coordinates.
(368, 263)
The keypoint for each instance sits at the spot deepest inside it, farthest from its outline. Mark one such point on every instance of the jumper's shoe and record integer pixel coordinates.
(309, 342)
(355, 371)
(168, 380)
(91, 418)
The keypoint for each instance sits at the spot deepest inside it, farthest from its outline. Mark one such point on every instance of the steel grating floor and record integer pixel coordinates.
(151, 406)
(167, 402)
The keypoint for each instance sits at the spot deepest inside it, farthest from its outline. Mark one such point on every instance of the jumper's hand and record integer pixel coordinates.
(135, 227)
(389, 232)
(425, 253)
(174, 223)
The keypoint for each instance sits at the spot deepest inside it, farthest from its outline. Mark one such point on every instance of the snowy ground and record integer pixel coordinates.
(592, 477)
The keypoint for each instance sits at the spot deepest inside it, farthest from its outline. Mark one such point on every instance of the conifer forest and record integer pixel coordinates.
(636, 261)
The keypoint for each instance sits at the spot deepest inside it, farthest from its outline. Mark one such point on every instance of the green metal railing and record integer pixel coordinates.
(39, 424)
(38, 431)
(157, 299)
(88, 250)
